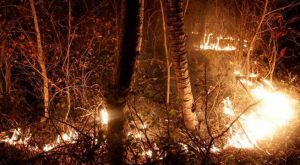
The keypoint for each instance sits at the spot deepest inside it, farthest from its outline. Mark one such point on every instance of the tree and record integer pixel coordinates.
(176, 38)
(129, 48)
(41, 61)
(6, 74)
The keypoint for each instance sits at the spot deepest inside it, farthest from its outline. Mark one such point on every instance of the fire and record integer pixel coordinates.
(148, 153)
(48, 147)
(277, 106)
(69, 137)
(274, 111)
(220, 44)
(104, 116)
(18, 137)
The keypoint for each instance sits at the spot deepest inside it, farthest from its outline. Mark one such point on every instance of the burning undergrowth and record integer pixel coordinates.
(256, 118)
(54, 142)
(244, 116)
(270, 113)
(238, 114)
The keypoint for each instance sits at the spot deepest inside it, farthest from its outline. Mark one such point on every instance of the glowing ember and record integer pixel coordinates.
(148, 153)
(273, 112)
(104, 116)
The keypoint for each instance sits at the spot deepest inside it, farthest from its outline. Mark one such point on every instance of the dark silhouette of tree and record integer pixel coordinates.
(129, 47)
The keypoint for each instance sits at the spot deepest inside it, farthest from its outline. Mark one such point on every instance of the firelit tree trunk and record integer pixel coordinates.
(129, 47)
(176, 38)
(41, 60)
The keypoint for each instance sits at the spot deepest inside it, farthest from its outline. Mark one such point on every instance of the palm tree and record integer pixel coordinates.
(176, 39)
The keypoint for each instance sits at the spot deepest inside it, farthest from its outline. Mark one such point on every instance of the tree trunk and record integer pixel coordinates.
(129, 47)
(176, 37)
(2, 74)
(168, 65)
(67, 61)
(7, 76)
(41, 60)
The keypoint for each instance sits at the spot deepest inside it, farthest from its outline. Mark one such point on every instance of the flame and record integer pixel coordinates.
(49, 147)
(273, 112)
(215, 149)
(184, 147)
(69, 137)
(221, 44)
(228, 110)
(104, 116)
(138, 135)
(149, 153)
(18, 137)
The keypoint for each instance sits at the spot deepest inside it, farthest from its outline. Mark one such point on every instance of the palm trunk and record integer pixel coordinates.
(176, 37)
(129, 47)
(41, 60)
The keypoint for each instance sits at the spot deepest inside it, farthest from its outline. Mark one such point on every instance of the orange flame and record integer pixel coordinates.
(273, 112)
